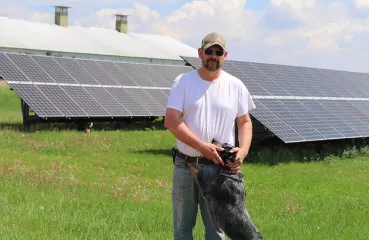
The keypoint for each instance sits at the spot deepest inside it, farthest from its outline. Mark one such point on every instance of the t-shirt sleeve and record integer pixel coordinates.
(176, 95)
(245, 103)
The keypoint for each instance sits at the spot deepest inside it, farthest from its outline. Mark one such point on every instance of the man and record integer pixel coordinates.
(203, 105)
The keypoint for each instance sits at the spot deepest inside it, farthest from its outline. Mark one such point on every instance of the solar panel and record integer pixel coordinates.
(62, 101)
(166, 92)
(295, 103)
(34, 72)
(253, 86)
(9, 71)
(36, 100)
(96, 72)
(80, 88)
(135, 75)
(347, 115)
(284, 81)
(329, 116)
(301, 77)
(275, 124)
(117, 74)
(132, 105)
(85, 101)
(300, 125)
(357, 87)
(54, 69)
(144, 99)
(150, 73)
(310, 117)
(160, 97)
(168, 72)
(108, 102)
(74, 69)
(304, 104)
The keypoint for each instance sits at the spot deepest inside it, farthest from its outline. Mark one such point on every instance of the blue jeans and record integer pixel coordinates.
(186, 196)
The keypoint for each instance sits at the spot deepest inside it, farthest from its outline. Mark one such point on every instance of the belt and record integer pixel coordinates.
(197, 160)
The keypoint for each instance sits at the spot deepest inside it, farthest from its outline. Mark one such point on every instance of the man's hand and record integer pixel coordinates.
(210, 151)
(240, 156)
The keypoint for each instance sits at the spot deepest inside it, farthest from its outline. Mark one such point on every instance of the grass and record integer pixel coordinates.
(116, 184)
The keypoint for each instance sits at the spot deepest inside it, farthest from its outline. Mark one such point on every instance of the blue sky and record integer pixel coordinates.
(315, 33)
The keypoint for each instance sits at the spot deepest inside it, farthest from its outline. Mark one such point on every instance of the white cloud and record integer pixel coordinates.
(295, 4)
(139, 20)
(361, 3)
(19, 12)
(193, 20)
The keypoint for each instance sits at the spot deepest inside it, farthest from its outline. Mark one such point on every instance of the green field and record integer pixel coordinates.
(116, 184)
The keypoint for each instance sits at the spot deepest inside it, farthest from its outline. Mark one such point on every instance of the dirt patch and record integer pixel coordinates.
(3, 83)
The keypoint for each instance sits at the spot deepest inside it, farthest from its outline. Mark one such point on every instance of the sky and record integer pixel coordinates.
(312, 33)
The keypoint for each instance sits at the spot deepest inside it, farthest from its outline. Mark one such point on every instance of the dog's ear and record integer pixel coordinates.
(216, 142)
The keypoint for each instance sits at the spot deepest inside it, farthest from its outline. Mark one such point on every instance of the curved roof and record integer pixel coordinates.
(23, 34)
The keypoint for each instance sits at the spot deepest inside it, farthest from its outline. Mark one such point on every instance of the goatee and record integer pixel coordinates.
(211, 68)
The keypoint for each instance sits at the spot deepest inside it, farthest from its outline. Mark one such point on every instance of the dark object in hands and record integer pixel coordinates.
(226, 154)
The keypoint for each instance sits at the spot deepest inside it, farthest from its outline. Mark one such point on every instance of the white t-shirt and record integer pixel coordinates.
(209, 107)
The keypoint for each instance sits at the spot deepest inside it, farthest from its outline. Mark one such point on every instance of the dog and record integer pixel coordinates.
(225, 197)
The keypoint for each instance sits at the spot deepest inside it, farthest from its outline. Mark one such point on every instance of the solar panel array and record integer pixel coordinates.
(77, 88)
(301, 104)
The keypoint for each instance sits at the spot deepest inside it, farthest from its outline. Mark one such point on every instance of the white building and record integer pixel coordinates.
(22, 36)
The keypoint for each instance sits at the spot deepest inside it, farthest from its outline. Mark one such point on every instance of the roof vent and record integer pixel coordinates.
(61, 16)
(121, 23)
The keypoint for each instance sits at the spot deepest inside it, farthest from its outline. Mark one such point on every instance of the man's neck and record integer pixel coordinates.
(207, 75)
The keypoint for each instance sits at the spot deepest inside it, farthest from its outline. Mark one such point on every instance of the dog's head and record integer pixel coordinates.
(226, 154)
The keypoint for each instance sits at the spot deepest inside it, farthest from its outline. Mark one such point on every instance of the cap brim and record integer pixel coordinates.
(206, 46)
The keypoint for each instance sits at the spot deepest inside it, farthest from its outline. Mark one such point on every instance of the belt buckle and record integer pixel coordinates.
(197, 161)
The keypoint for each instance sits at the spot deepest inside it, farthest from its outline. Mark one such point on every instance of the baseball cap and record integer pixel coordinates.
(212, 39)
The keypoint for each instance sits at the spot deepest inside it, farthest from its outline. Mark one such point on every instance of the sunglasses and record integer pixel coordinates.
(210, 52)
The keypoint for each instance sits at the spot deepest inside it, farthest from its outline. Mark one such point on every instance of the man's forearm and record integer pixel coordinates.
(245, 136)
(183, 133)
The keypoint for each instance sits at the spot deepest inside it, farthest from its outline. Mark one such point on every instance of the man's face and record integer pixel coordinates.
(212, 58)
